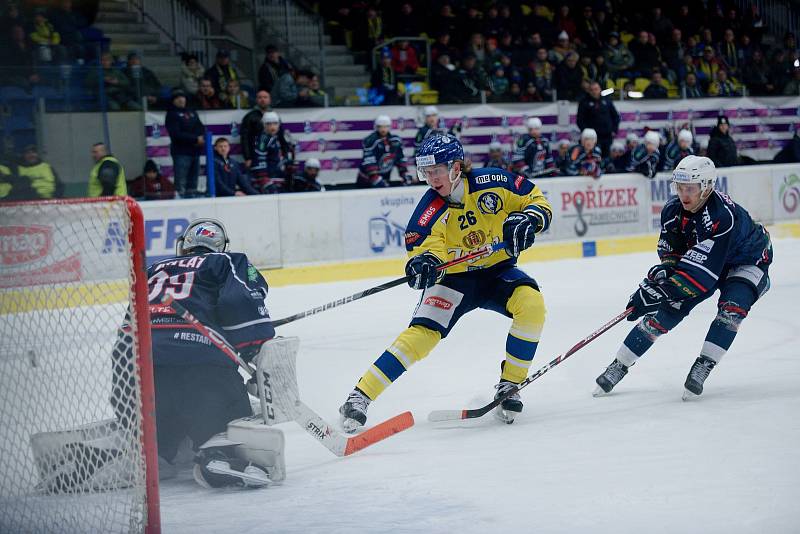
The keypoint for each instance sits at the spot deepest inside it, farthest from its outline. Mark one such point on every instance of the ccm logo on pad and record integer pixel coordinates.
(438, 302)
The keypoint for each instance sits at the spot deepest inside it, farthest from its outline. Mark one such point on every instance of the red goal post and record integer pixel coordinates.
(77, 401)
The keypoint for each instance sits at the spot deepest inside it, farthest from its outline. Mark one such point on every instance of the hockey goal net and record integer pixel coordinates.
(77, 431)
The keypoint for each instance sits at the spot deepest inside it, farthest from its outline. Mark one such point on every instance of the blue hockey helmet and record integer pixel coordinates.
(439, 150)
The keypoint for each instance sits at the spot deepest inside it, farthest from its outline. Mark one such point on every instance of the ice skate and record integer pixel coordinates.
(354, 411)
(214, 468)
(511, 406)
(610, 378)
(700, 370)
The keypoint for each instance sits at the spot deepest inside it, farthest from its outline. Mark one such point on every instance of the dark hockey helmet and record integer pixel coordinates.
(202, 235)
(438, 150)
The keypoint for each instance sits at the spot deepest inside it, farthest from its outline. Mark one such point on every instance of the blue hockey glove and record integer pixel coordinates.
(519, 232)
(422, 271)
(646, 299)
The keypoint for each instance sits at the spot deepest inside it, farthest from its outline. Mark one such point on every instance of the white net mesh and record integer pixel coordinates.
(70, 401)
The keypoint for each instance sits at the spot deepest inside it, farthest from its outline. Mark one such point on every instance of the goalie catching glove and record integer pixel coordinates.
(422, 272)
(519, 232)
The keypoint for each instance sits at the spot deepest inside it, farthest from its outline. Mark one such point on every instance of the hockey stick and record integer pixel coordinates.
(327, 435)
(455, 415)
(484, 251)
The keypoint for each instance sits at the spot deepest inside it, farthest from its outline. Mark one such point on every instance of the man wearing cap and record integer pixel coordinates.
(721, 147)
(187, 141)
(678, 149)
(306, 181)
(598, 113)
(384, 81)
(382, 152)
(222, 71)
(41, 176)
(585, 158)
(532, 157)
(646, 156)
(431, 127)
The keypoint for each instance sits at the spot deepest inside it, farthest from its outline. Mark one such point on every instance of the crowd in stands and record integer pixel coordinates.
(535, 52)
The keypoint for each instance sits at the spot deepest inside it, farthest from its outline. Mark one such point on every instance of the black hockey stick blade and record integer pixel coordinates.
(456, 415)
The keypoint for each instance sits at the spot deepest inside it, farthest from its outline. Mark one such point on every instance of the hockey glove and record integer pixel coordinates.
(519, 232)
(422, 272)
(646, 299)
(660, 273)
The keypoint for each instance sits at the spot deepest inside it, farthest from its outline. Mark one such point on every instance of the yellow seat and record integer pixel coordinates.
(425, 97)
(640, 84)
(621, 83)
(626, 38)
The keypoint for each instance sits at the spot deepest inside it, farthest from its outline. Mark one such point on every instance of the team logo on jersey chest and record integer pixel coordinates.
(474, 239)
(490, 203)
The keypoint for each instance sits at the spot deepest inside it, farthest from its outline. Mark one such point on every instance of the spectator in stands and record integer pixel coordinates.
(792, 87)
(285, 90)
(499, 82)
(69, 24)
(229, 180)
(316, 95)
(306, 181)
(567, 78)
(541, 72)
(790, 153)
(447, 22)
(117, 86)
(691, 88)
(687, 67)
(222, 71)
(151, 184)
(660, 26)
(252, 127)
(728, 53)
(656, 88)
(144, 81)
(707, 67)
(603, 77)
(514, 92)
(618, 58)
(585, 158)
(191, 74)
(384, 83)
(492, 56)
(564, 22)
(672, 53)
(558, 54)
(234, 97)
(207, 97)
(645, 54)
(721, 147)
(187, 141)
(45, 37)
(405, 23)
(374, 29)
(473, 79)
(40, 175)
(588, 32)
(562, 157)
(755, 75)
(492, 25)
(588, 68)
(404, 59)
(445, 79)
(722, 86)
(107, 177)
(271, 69)
(597, 112)
(476, 46)
(646, 157)
(780, 72)
(443, 46)
(12, 17)
(707, 39)
(616, 160)
(530, 94)
(17, 57)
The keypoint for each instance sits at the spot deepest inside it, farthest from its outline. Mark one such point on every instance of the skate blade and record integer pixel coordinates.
(504, 416)
(350, 426)
(251, 476)
(599, 392)
(688, 395)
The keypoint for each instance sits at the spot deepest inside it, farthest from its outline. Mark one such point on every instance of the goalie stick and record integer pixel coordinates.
(313, 424)
(455, 415)
(484, 251)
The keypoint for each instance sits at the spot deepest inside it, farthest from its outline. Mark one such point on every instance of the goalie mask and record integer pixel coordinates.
(202, 235)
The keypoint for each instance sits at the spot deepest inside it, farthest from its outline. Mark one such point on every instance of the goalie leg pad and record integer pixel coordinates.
(276, 379)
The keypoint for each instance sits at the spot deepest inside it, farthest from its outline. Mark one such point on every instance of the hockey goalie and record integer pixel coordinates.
(200, 393)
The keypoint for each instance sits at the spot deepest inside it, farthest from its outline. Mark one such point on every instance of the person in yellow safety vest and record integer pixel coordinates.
(107, 177)
(40, 175)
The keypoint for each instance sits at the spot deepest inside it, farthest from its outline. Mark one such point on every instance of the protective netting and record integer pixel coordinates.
(70, 396)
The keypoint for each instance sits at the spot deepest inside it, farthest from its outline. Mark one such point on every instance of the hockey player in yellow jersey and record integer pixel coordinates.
(464, 209)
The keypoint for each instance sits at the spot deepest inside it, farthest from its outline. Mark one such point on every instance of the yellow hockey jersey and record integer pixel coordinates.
(451, 230)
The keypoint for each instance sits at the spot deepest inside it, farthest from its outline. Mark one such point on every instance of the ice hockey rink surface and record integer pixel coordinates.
(638, 460)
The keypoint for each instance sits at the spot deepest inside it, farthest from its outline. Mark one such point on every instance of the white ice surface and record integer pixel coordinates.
(638, 460)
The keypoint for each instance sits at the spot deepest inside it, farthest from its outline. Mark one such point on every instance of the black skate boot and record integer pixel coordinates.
(511, 406)
(700, 370)
(610, 377)
(354, 411)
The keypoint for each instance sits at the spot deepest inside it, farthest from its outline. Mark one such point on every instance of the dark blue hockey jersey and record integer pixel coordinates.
(224, 291)
(702, 245)
(643, 161)
(380, 156)
(532, 157)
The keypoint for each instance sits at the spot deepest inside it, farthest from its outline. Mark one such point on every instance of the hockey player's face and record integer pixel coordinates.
(432, 121)
(271, 128)
(689, 195)
(438, 177)
(535, 132)
(383, 131)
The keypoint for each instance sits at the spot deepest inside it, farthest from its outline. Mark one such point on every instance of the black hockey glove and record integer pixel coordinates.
(519, 232)
(422, 271)
(646, 299)
(660, 273)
